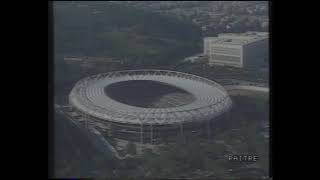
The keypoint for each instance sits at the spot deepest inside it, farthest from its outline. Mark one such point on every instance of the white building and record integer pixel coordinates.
(248, 49)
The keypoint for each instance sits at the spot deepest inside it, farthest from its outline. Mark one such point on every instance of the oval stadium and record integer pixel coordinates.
(148, 105)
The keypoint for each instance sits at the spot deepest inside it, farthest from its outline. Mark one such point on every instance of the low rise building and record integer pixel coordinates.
(248, 49)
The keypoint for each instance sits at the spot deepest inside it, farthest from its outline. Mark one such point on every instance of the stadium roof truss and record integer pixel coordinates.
(89, 97)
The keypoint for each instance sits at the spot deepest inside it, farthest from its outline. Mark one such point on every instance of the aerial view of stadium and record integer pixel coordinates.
(161, 89)
(148, 104)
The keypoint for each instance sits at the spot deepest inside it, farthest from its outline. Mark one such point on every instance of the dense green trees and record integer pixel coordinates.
(186, 158)
(121, 31)
(182, 159)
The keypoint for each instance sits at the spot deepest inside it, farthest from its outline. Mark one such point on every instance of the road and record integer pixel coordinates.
(95, 136)
(235, 84)
(78, 149)
(229, 82)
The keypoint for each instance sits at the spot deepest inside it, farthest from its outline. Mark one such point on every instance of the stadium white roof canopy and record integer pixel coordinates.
(89, 96)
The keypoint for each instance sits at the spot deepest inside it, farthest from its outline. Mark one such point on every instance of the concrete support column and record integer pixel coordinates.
(181, 132)
(141, 133)
(228, 114)
(208, 129)
(110, 129)
(87, 123)
(151, 134)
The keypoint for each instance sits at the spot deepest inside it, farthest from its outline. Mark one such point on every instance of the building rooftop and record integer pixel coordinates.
(238, 38)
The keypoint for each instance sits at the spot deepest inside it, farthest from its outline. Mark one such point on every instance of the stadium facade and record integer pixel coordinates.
(206, 101)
